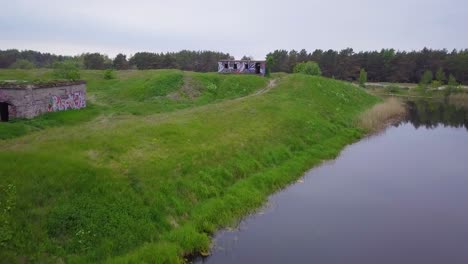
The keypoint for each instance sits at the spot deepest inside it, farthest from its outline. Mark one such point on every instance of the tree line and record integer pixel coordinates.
(202, 61)
(386, 65)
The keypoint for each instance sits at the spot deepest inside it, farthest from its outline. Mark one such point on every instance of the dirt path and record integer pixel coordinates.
(190, 89)
(271, 84)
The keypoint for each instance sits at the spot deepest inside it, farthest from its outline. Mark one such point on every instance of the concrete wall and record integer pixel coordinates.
(31, 101)
(241, 66)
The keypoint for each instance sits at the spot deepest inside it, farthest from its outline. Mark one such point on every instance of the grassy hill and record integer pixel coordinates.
(160, 160)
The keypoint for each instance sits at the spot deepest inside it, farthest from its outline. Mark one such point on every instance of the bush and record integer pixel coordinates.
(452, 82)
(68, 70)
(362, 78)
(22, 64)
(309, 68)
(109, 74)
(392, 89)
(436, 84)
(426, 79)
(440, 76)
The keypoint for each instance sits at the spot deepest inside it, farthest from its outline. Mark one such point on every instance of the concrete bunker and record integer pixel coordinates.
(4, 113)
(26, 100)
(242, 67)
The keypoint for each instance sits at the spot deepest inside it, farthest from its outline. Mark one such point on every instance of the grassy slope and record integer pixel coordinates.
(151, 187)
(132, 92)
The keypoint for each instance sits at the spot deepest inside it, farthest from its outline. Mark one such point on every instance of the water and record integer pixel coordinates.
(398, 197)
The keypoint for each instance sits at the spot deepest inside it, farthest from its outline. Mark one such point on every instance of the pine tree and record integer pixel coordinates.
(452, 82)
(426, 79)
(440, 76)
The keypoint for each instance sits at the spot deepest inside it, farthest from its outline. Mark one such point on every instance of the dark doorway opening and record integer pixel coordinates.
(235, 66)
(257, 68)
(4, 112)
(246, 66)
(225, 65)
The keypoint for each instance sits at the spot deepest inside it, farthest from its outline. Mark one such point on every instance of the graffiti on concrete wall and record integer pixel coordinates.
(241, 67)
(75, 100)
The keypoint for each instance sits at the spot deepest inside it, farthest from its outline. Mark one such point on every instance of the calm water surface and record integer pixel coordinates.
(398, 197)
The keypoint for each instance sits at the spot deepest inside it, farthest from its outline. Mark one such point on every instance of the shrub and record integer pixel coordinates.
(426, 79)
(22, 64)
(452, 82)
(68, 70)
(309, 68)
(440, 76)
(362, 78)
(392, 88)
(109, 74)
(436, 84)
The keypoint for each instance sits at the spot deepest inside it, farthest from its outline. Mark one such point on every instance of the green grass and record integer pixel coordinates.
(123, 187)
(131, 93)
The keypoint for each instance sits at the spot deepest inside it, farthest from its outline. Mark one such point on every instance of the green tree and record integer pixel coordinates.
(68, 70)
(452, 82)
(120, 62)
(302, 56)
(309, 68)
(279, 61)
(94, 61)
(22, 64)
(440, 76)
(426, 79)
(269, 63)
(362, 77)
(292, 60)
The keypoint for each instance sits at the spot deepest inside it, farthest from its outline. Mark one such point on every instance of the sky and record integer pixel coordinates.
(238, 27)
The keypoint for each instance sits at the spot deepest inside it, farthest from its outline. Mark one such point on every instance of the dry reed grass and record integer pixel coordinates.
(459, 99)
(382, 114)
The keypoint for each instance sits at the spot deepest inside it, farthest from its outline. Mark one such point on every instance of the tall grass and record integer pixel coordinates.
(380, 115)
(459, 99)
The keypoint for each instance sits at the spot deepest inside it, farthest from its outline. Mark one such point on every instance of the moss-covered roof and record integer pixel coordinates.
(38, 84)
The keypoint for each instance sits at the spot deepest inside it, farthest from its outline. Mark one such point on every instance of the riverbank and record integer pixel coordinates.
(384, 188)
(152, 186)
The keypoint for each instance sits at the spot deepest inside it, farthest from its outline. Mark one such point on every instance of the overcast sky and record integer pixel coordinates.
(250, 27)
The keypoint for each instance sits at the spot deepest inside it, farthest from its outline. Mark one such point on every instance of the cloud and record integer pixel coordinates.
(238, 27)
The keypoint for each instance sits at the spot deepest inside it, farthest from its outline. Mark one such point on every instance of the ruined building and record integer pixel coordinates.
(20, 100)
(242, 67)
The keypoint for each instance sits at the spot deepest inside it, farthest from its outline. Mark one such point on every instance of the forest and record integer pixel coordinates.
(386, 65)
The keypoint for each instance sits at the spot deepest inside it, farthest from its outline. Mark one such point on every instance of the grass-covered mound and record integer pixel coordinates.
(152, 187)
(132, 93)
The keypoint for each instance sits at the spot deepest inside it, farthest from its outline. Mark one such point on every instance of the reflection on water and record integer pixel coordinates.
(431, 114)
(398, 197)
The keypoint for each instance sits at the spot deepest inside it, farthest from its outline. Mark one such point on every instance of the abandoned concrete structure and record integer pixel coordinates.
(242, 66)
(19, 100)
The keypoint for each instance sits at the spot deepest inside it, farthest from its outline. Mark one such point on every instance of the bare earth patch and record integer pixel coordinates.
(190, 89)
